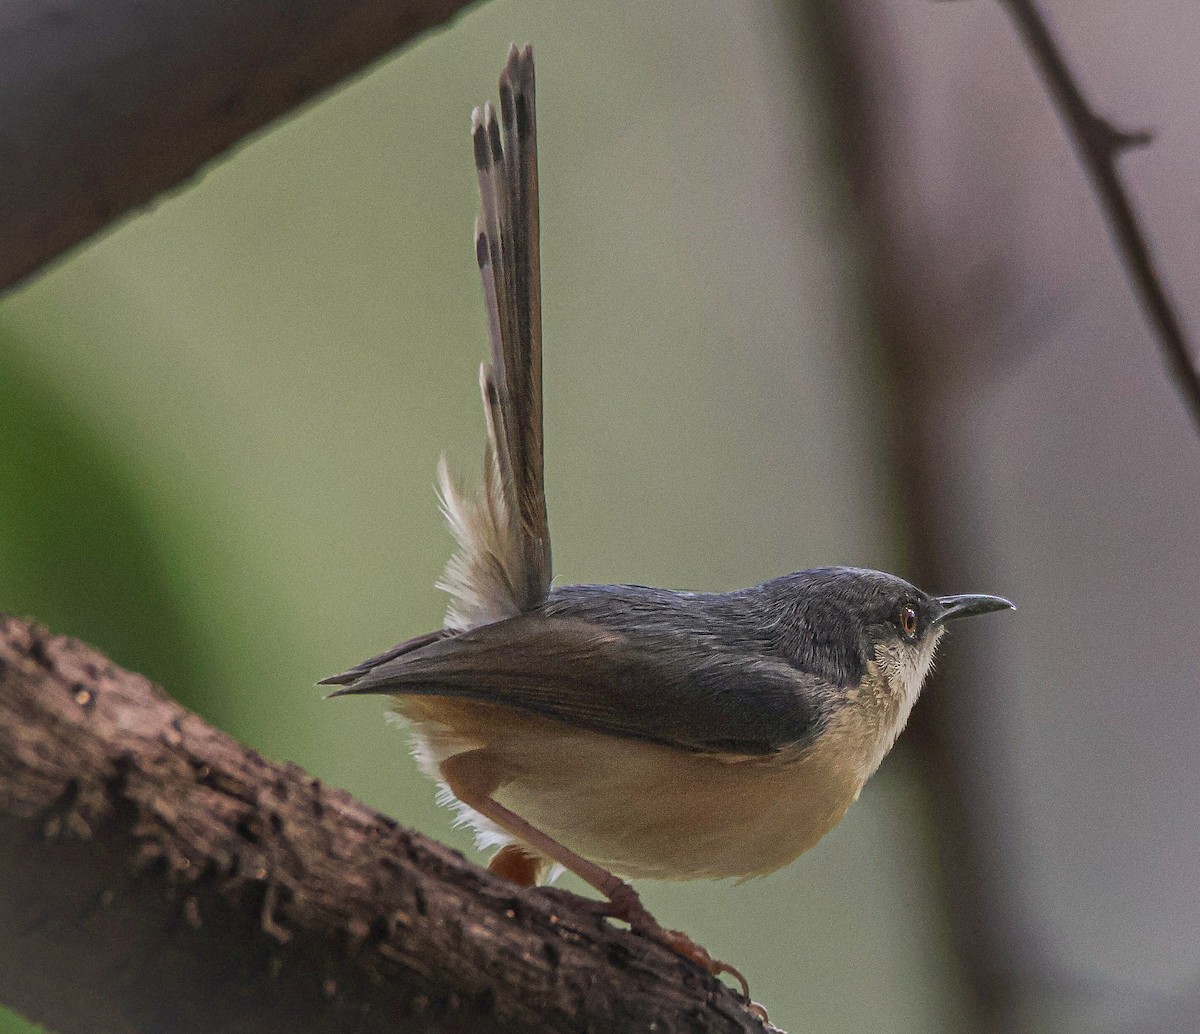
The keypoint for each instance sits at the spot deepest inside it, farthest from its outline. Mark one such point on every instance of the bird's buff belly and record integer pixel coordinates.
(643, 810)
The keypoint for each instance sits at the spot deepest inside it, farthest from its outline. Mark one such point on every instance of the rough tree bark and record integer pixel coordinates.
(103, 106)
(157, 876)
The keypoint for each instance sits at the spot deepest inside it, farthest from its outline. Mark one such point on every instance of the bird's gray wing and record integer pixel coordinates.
(503, 565)
(582, 674)
(415, 643)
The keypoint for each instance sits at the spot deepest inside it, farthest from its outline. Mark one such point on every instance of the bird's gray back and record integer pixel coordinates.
(787, 619)
(748, 672)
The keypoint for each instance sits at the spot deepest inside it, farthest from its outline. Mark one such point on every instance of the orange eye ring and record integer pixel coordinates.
(909, 620)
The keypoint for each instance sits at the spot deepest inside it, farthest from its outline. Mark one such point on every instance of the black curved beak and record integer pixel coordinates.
(967, 606)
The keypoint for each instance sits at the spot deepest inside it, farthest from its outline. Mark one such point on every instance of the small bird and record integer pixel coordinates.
(622, 731)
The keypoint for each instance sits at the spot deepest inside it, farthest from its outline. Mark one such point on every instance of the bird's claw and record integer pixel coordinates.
(682, 944)
(625, 904)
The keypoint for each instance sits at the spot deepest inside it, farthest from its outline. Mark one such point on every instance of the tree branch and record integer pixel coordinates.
(157, 876)
(1099, 145)
(105, 105)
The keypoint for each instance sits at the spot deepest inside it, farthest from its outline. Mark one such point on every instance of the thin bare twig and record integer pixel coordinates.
(1100, 144)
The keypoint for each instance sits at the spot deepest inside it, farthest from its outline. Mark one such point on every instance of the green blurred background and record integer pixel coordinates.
(221, 423)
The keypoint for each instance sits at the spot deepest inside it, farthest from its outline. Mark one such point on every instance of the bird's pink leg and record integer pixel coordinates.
(470, 779)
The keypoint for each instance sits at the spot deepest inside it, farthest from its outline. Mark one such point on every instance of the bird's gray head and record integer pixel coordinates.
(871, 638)
(842, 621)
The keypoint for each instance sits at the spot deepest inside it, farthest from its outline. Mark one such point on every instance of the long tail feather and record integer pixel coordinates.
(502, 565)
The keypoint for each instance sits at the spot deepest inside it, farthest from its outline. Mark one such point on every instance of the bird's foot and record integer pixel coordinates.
(626, 905)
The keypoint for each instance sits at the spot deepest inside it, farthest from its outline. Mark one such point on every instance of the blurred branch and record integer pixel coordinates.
(1100, 144)
(918, 329)
(155, 875)
(103, 106)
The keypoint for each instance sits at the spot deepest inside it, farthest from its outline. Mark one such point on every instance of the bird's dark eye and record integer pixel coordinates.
(908, 621)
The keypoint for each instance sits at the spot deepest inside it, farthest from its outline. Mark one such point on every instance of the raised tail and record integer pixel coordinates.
(502, 564)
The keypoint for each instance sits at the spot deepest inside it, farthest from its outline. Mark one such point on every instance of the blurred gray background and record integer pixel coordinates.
(823, 284)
